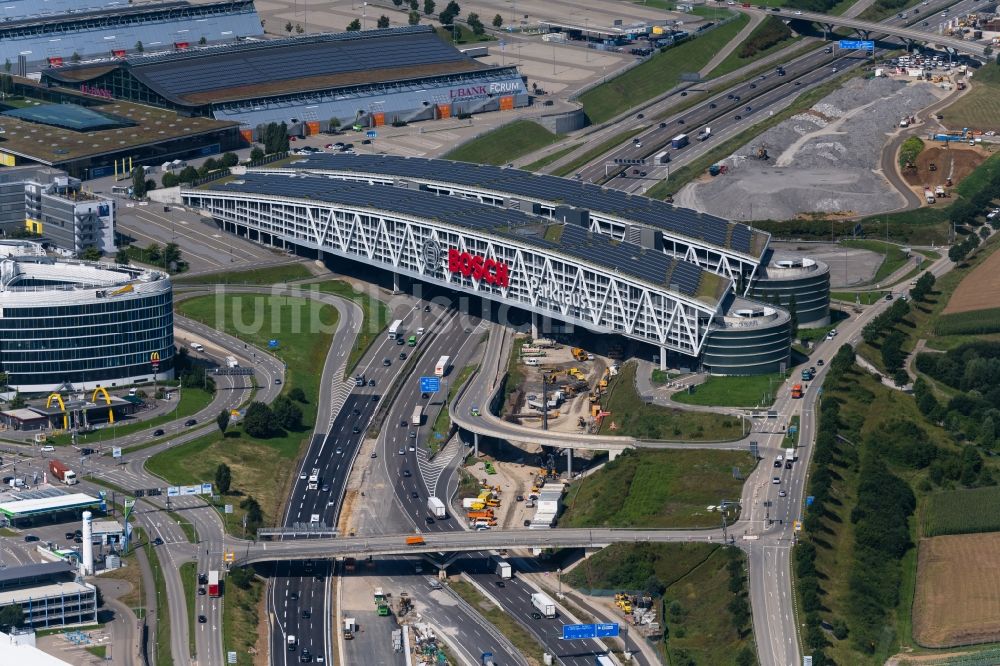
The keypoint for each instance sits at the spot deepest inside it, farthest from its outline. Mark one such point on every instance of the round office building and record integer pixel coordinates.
(73, 325)
(793, 280)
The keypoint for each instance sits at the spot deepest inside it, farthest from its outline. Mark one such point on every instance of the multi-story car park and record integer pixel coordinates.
(76, 324)
(548, 264)
(49, 595)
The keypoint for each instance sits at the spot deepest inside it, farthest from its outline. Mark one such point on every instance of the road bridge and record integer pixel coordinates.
(450, 542)
(867, 28)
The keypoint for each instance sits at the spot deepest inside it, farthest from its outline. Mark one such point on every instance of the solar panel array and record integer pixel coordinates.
(623, 258)
(297, 59)
(154, 33)
(16, 9)
(682, 221)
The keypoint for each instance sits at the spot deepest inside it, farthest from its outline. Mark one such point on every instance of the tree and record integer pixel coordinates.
(75, 57)
(223, 478)
(429, 7)
(170, 179)
(171, 253)
(255, 516)
(901, 378)
(18, 401)
(207, 167)
(11, 616)
(497, 21)
(298, 395)
(333, 125)
(121, 257)
(256, 154)
(188, 174)
(138, 183)
(414, 5)
(259, 421)
(154, 253)
(398, 3)
(988, 50)
(230, 160)
(383, 21)
(477, 26)
(139, 47)
(354, 25)
(298, 29)
(984, 233)
(241, 577)
(745, 657)
(450, 13)
(287, 414)
(202, 41)
(414, 17)
(222, 420)
(91, 254)
(289, 27)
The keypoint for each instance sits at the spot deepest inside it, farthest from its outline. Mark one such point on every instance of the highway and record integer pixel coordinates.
(726, 112)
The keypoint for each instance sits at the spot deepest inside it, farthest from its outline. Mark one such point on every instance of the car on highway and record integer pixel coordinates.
(412, 448)
(339, 451)
(203, 579)
(402, 451)
(293, 595)
(413, 434)
(374, 396)
(782, 493)
(680, 121)
(387, 362)
(640, 116)
(306, 614)
(356, 429)
(403, 423)
(637, 144)
(684, 94)
(402, 356)
(156, 433)
(776, 480)
(371, 382)
(713, 105)
(474, 411)
(788, 464)
(415, 495)
(500, 583)
(749, 109)
(30, 538)
(738, 117)
(302, 476)
(730, 96)
(425, 396)
(190, 422)
(157, 541)
(429, 520)
(69, 536)
(535, 615)
(753, 85)
(663, 125)
(777, 463)
(202, 619)
(326, 488)
(820, 362)
(277, 381)
(201, 591)
(406, 473)
(48, 448)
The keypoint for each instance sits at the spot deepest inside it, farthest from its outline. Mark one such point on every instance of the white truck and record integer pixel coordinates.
(313, 483)
(704, 133)
(543, 604)
(504, 570)
(436, 507)
(443, 364)
(790, 455)
(291, 642)
(231, 362)
(349, 628)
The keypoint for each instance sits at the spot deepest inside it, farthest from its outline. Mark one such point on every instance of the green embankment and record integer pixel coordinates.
(504, 144)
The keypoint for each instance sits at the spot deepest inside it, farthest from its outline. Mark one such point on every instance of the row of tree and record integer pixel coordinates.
(923, 288)
(958, 252)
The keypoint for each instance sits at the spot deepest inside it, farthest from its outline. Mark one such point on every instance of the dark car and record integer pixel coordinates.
(535, 615)
(202, 579)
(202, 619)
(400, 341)
(201, 591)
(777, 463)
(820, 362)
(713, 105)
(730, 96)
(357, 411)
(158, 432)
(77, 539)
(640, 116)
(356, 429)
(753, 85)
(424, 396)
(406, 473)
(293, 595)
(500, 583)
(306, 614)
(157, 541)
(371, 382)
(86, 451)
(191, 422)
(387, 362)
(684, 94)
(680, 121)
(366, 142)
(739, 117)
(414, 495)
(662, 125)
(413, 434)
(69, 536)
(429, 520)
(749, 109)
(30, 538)
(427, 308)
(788, 464)
(404, 423)
(374, 397)
(402, 356)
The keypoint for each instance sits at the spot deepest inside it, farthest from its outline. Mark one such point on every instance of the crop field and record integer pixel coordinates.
(957, 600)
(962, 512)
(969, 323)
(979, 290)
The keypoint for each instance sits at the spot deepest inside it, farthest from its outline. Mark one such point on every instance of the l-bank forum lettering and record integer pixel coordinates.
(495, 88)
(478, 268)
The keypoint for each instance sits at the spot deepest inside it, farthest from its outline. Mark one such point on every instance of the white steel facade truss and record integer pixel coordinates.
(551, 284)
(738, 268)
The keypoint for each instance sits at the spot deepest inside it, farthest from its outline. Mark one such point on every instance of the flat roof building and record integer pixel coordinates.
(21, 510)
(50, 595)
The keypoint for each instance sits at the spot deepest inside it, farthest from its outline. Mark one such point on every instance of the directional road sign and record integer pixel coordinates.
(856, 45)
(273, 344)
(430, 384)
(371, 134)
(573, 632)
(116, 452)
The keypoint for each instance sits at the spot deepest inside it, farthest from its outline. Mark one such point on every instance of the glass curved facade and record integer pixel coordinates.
(105, 341)
(748, 351)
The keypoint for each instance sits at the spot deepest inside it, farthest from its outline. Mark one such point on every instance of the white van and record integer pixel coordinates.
(314, 519)
(531, 361)
(197, 346)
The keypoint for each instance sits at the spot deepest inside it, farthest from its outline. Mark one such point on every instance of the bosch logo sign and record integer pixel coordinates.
(478, 268)
(432, 254)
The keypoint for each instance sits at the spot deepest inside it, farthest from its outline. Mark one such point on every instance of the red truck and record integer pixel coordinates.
(60, 471)
(213, 584)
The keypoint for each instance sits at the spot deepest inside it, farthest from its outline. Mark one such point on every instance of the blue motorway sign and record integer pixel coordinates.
(430, 384)
(809, 500)
(854, 45)
(371, 134)
(573, 632)
(273, 344)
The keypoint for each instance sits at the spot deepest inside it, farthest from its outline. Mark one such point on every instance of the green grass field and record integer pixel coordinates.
(893, 257)
(968, 323)
(962, 512)
(631, 416)
(863, 297)
(189, 577)
(750, 391)
(504, 144)
(163, 657)
(628, 566)
(442, 424)
(657, 75)
(260, 467)
(733, 61)
(646, 488)
(239, 620)
(267, 275)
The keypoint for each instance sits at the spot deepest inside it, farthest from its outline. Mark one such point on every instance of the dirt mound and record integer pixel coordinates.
(956, 161)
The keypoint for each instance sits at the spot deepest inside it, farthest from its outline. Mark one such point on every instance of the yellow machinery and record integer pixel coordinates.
(62, 406)
(578, 354)
(107, 399)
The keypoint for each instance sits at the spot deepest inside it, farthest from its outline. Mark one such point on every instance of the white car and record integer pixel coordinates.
(782, 493)
(48, 448)
(798, 13)
(776, 480)
(420, 331)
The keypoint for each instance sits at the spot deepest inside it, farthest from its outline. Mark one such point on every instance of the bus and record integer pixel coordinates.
(395, 328)
(441, 369)
(418, 416)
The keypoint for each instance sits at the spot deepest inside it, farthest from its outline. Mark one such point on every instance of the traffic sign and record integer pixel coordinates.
(856, 45)
(430, 384)
(229, 508)
(809, 500)
(116, 452)
(273, 344)
(572, 632)
(371, 134)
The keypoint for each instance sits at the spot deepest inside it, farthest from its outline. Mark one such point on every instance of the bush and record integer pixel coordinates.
(260, 421)
(772, 31)
(909, 150)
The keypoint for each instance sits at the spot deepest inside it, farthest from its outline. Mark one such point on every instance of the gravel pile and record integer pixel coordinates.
(821, 161)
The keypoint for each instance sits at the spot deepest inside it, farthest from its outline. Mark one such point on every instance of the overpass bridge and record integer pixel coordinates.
(866, 28)
(246, 552)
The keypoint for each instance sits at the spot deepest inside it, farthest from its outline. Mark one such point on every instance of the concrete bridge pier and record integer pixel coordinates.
(827, 29)
(613, 453)
(863, 34)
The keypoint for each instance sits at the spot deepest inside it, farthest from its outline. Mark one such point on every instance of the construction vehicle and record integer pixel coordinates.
(485, 514)
(932, 167)
(939, 191)
(493, 503)
(350, 626)
(381, 602)
(414, 541)
(762, 153)
(624, 602)
(578, 354)
(797, 391)
(405, 605)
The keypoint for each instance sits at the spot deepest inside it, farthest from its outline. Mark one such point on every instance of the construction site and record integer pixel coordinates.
(561, 386)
